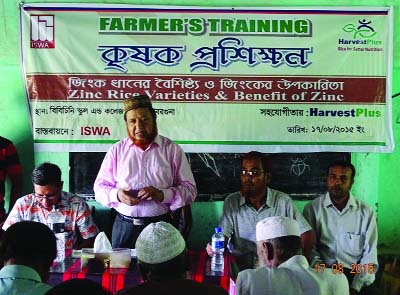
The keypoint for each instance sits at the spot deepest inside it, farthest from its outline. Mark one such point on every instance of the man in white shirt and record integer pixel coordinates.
(346, 230)
(284, 270)
(28, 249)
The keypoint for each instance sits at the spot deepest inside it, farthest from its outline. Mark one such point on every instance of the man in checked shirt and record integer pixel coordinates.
(48, 196)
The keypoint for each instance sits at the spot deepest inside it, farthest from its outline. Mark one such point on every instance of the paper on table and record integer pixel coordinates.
(102, 244)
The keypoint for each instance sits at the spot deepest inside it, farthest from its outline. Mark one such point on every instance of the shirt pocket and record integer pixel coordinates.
(162, 174)
(353, 243)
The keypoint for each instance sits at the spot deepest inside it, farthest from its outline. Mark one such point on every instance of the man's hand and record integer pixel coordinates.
(209, 249)
(125, 196)
(151, 193)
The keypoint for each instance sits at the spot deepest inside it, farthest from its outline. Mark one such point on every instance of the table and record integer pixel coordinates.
(113, 280)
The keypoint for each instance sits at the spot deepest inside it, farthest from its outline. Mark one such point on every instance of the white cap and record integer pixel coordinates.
(275, 227)
(159, 242)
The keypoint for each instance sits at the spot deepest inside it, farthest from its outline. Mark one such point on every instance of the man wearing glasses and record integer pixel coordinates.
(48, 197)
(256, 201)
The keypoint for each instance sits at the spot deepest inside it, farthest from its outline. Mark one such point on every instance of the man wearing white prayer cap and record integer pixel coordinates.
(162, 260)
(283, 269)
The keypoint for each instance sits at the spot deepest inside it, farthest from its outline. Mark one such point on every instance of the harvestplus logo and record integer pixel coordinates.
(362, 33)
(363, 30)
(42, 31)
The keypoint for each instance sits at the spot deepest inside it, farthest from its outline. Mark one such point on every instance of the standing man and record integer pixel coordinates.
(283, 269)
(256, 201)
(48, 196)
(144, 176)
(9, 167)
(346, 229)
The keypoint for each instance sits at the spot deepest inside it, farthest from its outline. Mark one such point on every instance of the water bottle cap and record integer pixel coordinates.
(218, 230)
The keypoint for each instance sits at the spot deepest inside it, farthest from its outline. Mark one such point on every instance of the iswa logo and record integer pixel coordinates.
(363, 29)
(42, 31)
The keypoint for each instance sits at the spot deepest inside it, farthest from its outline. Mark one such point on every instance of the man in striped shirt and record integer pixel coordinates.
(48, 197)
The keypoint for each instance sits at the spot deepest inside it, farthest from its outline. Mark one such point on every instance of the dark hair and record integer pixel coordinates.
(77, 287)
(266, 160)
(45, 174)
(286, 246)
(173, 268)
(29, 242)
(344, 164)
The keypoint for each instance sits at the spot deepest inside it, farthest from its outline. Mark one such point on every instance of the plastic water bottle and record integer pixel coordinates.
(56, 222)
(217, 245)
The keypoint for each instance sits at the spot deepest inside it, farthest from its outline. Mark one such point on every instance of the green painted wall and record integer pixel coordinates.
(376, 173)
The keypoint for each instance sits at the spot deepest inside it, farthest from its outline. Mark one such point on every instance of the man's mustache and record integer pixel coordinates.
(337, 189)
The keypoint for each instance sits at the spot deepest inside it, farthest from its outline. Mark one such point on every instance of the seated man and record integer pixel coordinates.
(346, 229)
(256, 201)
(162, 261)
(49, 196)
(284, 270)
(27, 250)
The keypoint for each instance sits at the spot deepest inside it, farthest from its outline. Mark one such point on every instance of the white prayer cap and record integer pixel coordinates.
(159, 242)
(275, 227)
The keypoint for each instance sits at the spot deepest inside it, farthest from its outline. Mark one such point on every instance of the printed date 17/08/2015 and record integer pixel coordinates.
(337, 129)
(338, 268)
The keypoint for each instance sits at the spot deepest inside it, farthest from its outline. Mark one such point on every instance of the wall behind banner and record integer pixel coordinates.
(377, 174)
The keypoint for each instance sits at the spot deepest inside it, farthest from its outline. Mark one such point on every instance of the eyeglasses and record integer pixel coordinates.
(251, 173)
(49, 197)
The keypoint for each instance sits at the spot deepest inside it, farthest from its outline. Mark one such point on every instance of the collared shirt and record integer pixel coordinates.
(9, 164)
(294, 276)
(21, 279)
(75, 209)
(162, 165)
(349, 236)
(239, 219)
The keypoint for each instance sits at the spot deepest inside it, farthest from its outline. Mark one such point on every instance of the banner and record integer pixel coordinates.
(273, 79)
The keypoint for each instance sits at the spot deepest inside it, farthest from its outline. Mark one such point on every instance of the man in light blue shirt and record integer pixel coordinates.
(27, 250)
